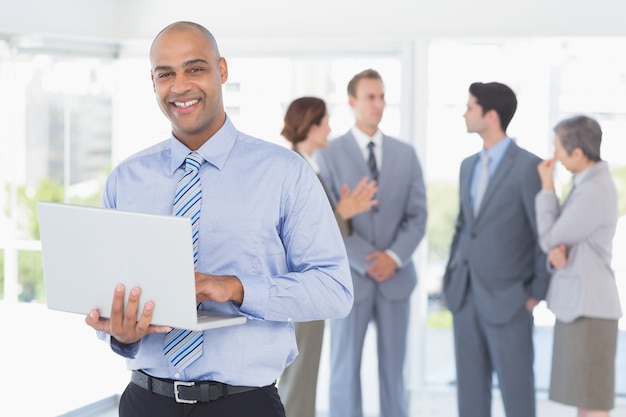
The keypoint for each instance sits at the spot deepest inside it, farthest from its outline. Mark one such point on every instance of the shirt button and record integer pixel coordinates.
(176, 375)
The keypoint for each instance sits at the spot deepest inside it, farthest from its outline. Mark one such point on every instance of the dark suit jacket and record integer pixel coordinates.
(498, 250)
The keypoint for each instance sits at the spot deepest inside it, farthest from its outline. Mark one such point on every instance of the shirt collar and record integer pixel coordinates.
(215, 150)
(580, 177)
(497, 151)
(362, 139)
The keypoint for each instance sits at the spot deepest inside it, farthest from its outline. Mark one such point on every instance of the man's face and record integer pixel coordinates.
(187, 77)
(368, 104)
(475, 120)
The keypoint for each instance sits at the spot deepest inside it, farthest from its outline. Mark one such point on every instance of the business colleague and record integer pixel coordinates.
(266, 245)
(379, 250)
(497, 272)
(306, 127)
(578, 237)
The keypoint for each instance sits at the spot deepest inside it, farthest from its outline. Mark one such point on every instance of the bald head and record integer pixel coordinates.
(187, 76)
(184, 26)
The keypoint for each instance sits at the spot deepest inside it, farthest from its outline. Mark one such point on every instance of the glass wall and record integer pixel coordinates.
(71, 117)
(56, 145)
(553, 79)
(75, 117)
(58, 148)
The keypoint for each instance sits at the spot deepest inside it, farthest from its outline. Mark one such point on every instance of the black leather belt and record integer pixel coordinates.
(188, 392)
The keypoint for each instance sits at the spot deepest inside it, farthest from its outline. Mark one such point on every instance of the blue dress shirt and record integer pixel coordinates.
(265, 219)
(496, 153)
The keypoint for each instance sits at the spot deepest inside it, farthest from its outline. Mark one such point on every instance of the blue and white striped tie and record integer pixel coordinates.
(182, 347)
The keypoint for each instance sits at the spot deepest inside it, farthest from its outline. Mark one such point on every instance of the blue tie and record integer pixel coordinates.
(182, 347)
(482, 182)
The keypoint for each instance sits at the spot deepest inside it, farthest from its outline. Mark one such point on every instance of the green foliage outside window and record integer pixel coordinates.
(1, 275)
(443, 209)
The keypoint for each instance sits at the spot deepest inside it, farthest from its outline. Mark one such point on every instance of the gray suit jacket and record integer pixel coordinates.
(399, 221)
(345, 226)
(498, 250)
(586, 225)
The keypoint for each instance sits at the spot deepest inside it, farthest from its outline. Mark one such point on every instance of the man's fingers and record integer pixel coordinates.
(130, 315)
(143, 325)
(117, 309)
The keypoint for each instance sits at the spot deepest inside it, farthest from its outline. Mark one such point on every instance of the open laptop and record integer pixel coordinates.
(87, 251)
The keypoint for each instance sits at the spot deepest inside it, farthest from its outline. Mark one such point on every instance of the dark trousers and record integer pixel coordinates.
(482, 347)
(263, 402)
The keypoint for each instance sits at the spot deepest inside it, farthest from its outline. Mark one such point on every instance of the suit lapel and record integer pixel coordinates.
(466, 195)
(356, 156)
(387, 161)
(503, 170)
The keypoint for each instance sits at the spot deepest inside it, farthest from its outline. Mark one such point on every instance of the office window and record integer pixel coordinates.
(1, 274)
(567, 77)
(262, 88)
(56, 146)
(75, 118)
(60, 121)
(71, 118)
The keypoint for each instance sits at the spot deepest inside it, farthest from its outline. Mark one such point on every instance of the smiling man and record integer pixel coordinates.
(266, 242)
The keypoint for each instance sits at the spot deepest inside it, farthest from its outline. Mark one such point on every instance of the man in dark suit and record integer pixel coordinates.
(497, 272)
(379, 250)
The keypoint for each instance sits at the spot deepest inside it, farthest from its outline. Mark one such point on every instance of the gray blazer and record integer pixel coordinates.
(345, 226)
(498, 249)
(586, 225)
(398, 222)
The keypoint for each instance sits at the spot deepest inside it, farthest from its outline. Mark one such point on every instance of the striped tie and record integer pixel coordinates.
(182, 347)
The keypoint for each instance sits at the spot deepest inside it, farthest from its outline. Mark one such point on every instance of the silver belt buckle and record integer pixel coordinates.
(186, 384)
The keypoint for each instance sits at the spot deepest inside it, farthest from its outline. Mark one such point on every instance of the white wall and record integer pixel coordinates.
(366, 19)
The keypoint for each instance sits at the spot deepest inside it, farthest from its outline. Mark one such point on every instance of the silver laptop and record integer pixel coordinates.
(87, 251)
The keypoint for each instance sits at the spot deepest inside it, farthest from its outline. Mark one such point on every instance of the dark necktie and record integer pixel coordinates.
(182, 347)
(371, 161)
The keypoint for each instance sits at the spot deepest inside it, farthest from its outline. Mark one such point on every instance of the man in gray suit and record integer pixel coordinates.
(379, 250)
(497, 272)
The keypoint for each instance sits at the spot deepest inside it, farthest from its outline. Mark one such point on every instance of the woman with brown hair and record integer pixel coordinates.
(306, 128)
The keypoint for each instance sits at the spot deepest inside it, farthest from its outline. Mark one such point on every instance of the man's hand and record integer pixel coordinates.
(382, 268)
(218, 288)
(531, 303)
(359, 200)
(123, 324)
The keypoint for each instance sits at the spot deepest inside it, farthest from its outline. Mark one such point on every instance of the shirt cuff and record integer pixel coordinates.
(395, 258)
(126, 350)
